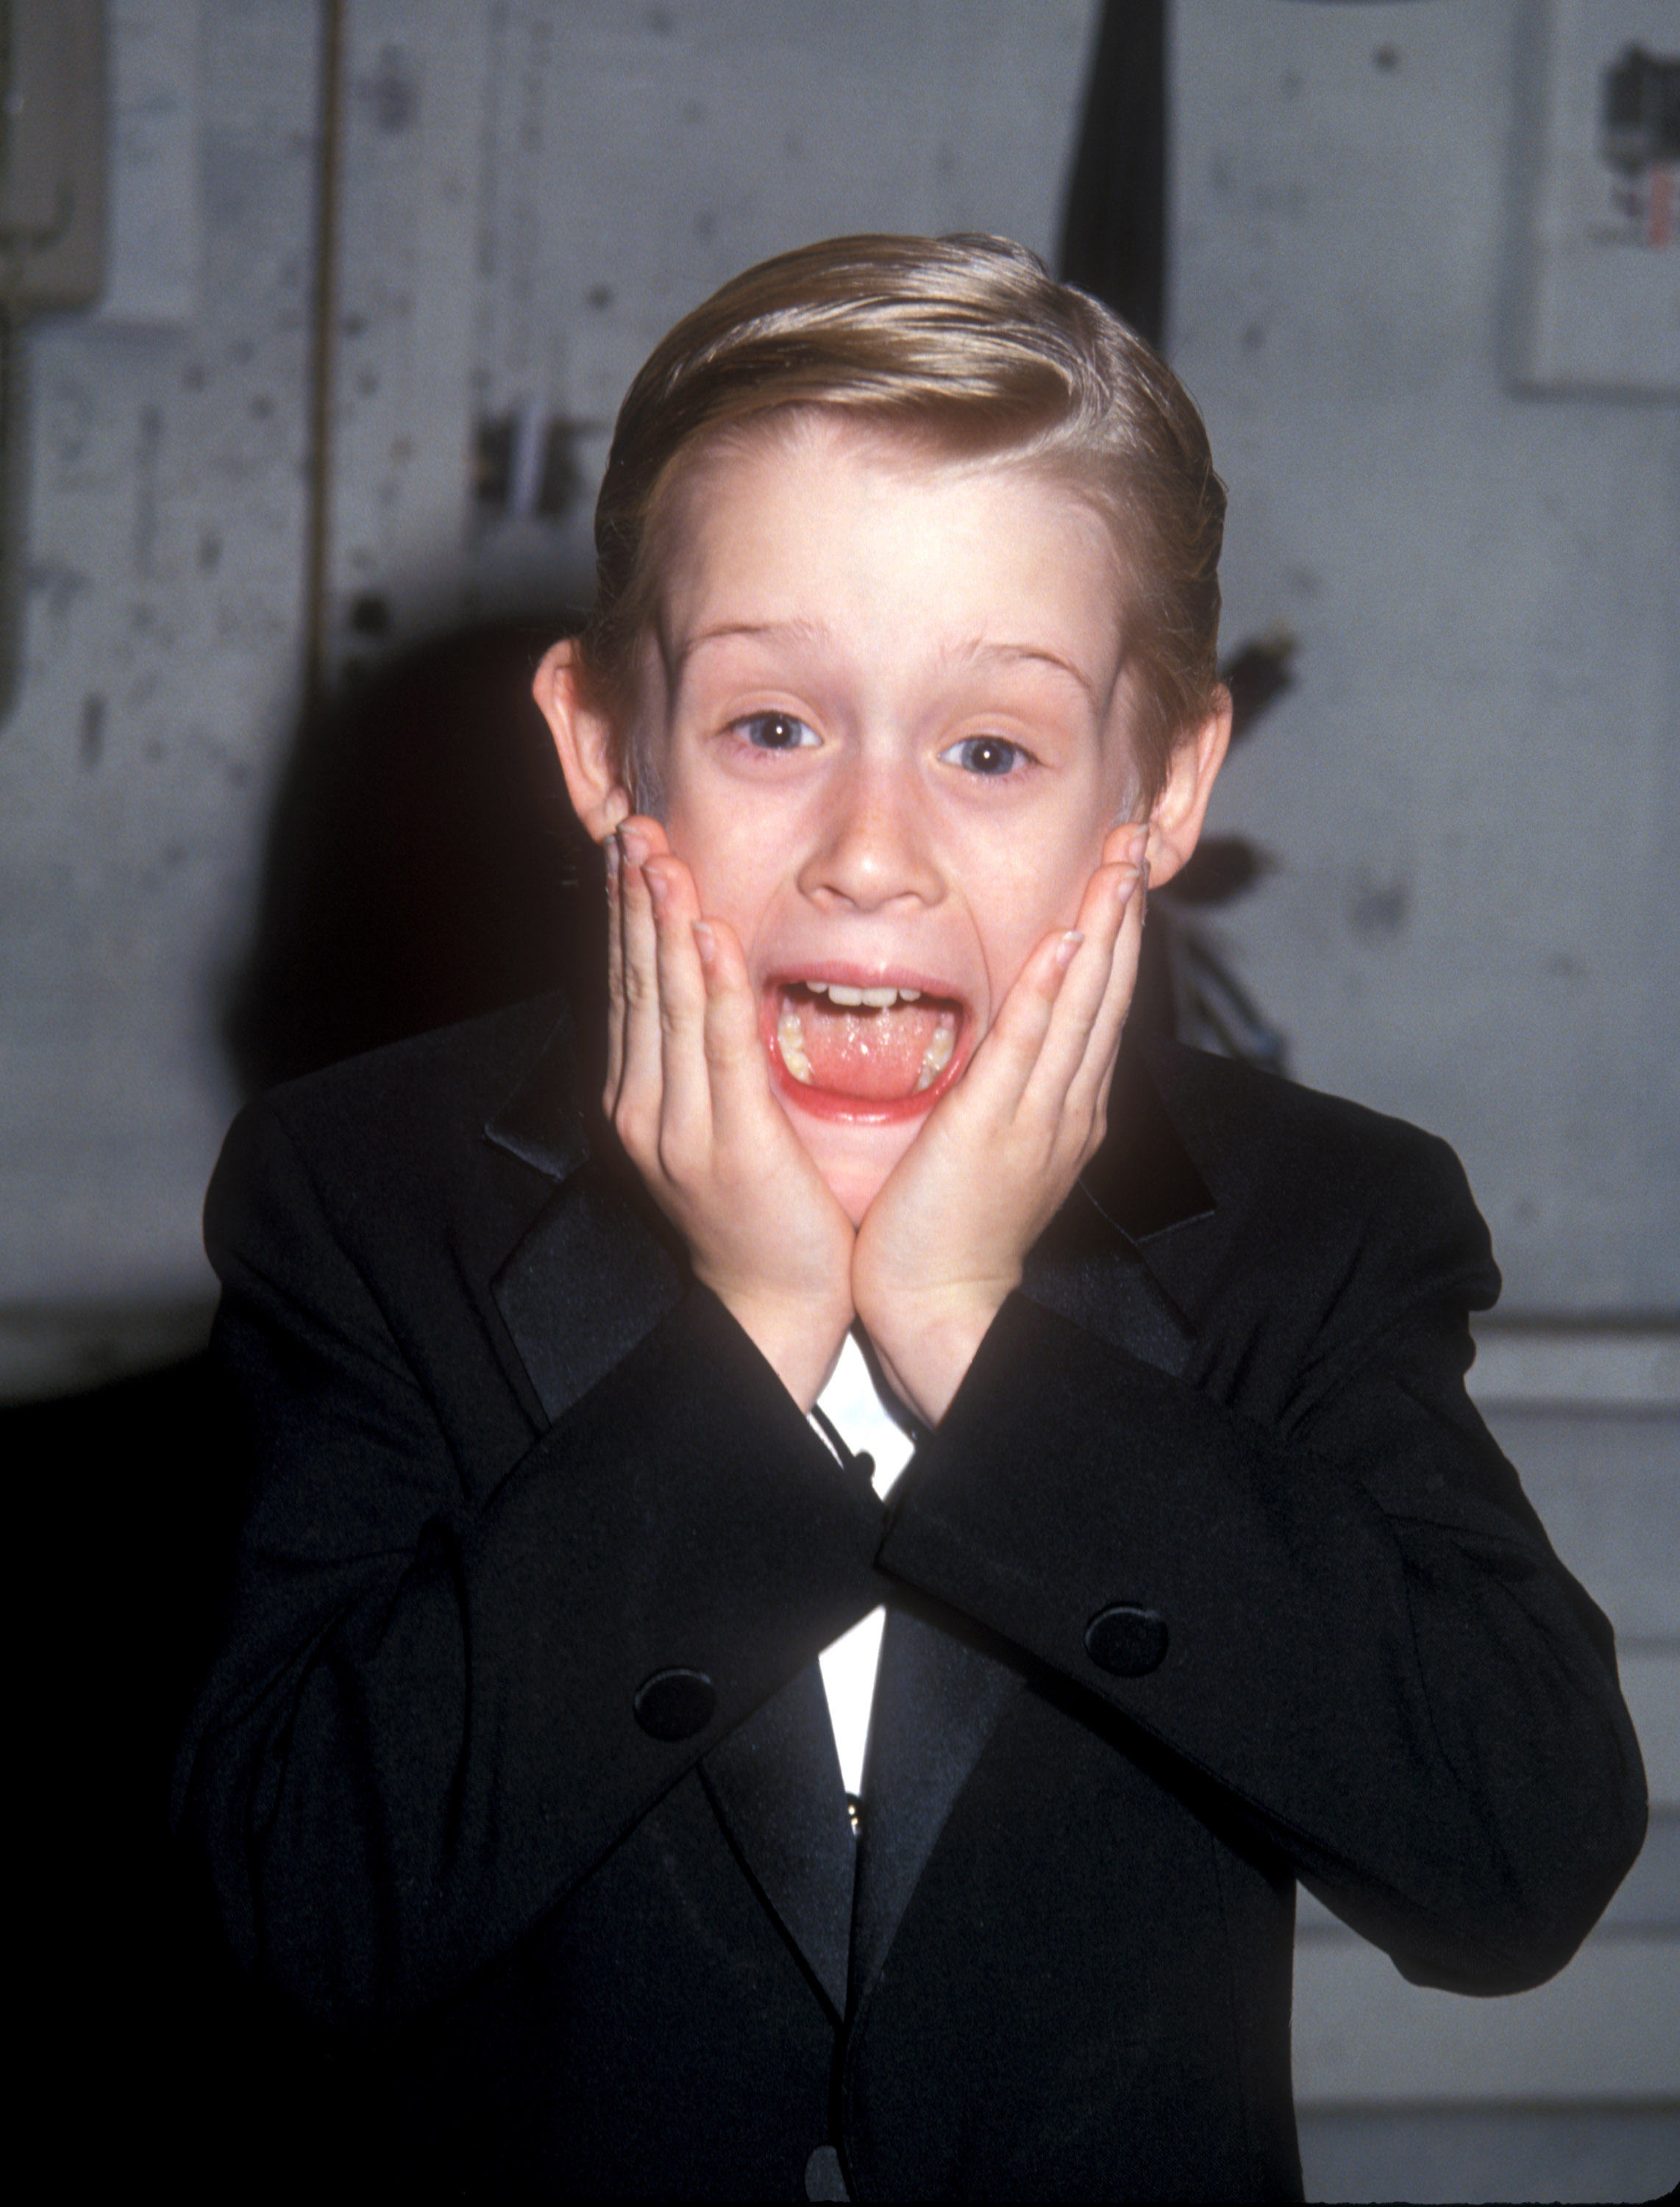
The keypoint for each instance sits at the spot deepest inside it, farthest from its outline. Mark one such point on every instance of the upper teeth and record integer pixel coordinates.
(878, 1000)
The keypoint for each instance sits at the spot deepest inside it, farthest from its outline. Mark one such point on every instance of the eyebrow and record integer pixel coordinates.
(807, 631)
(804, 631)
(1031, 654)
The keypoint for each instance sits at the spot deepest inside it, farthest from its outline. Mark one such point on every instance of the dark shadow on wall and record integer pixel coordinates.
(1113, 231)
(1113, 245)
(422, 865)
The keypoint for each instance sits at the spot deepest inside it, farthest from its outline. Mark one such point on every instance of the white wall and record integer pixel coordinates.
(1474, 794)
(163, 565)
(1471, 798)
(534, 193)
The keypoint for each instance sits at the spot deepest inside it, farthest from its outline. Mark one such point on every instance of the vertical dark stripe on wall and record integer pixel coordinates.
(318, 520)
(1113, 234)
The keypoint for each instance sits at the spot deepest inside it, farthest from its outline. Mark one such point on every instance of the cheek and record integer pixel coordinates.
(1018, 905)
(733, 880)
(741, 843)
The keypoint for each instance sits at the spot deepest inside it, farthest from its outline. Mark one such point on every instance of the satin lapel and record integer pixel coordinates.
(1085, 1270)
(542, 1120)
(590, 1279)
(587, 1283)
(940, 1695)
(775, 1784)
(1142, 1180)
(938, 1699)
(1091, 1265)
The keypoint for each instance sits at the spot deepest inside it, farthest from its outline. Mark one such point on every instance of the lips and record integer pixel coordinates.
(868, 1050)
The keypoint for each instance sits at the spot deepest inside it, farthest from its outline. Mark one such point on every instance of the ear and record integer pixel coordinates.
(1175, 819)
(584, 737)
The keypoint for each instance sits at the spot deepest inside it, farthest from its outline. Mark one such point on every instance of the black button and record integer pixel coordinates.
(1127, 1639)
(675, 1704)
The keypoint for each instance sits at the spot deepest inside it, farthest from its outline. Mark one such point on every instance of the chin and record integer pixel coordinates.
(853, 1159)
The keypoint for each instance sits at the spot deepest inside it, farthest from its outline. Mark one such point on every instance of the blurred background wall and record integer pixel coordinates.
(296, 501)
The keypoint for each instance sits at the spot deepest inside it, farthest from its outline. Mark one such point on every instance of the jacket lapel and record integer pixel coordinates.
(1091, 1263)
(775, 1784)
(938, 1699)
(941, 1693)
(589, 1279)
(1085, 1270)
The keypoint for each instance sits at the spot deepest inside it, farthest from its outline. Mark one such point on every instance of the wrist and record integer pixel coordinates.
(799, 1341)
(926, 1344)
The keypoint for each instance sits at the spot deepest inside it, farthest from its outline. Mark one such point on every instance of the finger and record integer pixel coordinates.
(1061, 1047)
(1126, 845)
(685, 1099)
(643, 824)
(613, 855)
(1079, 1032)
(1003, 1064)
(641, 1069)
(735, 1063)
(1128, 947)
(1088, 1089)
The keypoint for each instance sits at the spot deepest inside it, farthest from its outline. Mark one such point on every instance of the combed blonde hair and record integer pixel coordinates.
(971, 344)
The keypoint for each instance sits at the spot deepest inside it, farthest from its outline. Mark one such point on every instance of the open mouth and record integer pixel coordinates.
(856, 1052)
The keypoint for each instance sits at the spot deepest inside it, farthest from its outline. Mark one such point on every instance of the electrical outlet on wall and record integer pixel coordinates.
(1595, 288)
(52, 155)
(52, 225)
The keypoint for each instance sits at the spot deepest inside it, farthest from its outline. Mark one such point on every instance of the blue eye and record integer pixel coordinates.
(992, 755)
(776, 731)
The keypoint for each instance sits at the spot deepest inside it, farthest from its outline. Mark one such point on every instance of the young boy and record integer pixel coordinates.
(895, 1356)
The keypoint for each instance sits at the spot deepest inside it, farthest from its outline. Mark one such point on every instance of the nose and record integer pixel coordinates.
(876, 848)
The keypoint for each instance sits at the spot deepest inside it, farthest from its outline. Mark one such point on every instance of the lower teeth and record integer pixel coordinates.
(938, 1053)
(791, 1041)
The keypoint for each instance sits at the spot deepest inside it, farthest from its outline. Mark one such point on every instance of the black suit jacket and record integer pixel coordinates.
(1211, 1580)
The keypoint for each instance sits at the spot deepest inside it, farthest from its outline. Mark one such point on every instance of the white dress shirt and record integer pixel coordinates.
(868, 1422)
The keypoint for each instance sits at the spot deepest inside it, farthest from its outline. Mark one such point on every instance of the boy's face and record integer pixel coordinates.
(886, 711)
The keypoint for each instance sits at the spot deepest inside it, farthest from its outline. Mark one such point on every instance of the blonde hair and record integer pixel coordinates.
(970, 343)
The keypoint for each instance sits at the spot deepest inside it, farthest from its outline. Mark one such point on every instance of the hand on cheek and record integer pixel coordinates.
(689, 1091)
(943, 1244)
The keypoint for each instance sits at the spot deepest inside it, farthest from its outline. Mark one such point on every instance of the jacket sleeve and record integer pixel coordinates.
(1341, 1612)
(423, 1733)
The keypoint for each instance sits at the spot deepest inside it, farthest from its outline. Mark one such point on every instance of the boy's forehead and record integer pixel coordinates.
(790, 533)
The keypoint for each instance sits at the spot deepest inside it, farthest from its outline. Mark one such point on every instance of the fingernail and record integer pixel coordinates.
(1136, 847)
(635, 845)
(658, 888)
(1068, 948)
(613, 857)
(706, 943)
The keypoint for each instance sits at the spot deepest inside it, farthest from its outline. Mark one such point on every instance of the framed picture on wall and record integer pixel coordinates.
(1596, 289)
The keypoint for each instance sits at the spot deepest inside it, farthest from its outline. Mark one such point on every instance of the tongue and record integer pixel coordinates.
(877, 1056)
